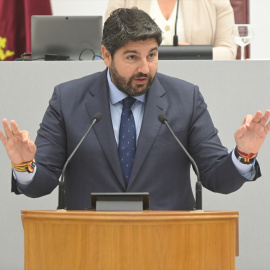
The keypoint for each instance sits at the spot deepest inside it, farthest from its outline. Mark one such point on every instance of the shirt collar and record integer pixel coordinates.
(116, 95)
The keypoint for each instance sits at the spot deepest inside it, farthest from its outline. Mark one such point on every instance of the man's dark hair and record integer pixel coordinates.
(128, 24)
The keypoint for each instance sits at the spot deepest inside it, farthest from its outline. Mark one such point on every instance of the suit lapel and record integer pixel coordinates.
(187, 11)
(144, 5)
(155, 104)
(99, 102)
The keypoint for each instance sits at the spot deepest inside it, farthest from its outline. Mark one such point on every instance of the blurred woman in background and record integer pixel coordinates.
(200, 22)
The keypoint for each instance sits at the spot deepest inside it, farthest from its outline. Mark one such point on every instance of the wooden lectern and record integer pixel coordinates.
(148, 240)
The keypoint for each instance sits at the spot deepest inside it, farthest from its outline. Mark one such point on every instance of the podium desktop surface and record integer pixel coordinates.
(146, 240)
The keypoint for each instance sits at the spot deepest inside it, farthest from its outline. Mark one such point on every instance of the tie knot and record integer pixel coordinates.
(128, 102)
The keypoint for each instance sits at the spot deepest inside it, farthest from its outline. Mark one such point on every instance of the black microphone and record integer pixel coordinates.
(175, 37)
(61, 195)
(163, 119)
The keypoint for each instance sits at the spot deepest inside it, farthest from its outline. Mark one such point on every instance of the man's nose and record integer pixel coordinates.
(143, 67)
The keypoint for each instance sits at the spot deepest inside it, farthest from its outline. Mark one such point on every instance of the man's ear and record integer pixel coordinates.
(106, 56)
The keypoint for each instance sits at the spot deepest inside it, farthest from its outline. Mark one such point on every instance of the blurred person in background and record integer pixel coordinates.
(200, 22)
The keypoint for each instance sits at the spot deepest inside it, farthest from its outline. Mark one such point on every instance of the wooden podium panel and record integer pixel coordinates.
(148, 240)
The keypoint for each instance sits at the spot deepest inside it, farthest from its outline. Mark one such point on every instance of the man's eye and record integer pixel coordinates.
(152, 55)
(131, 57)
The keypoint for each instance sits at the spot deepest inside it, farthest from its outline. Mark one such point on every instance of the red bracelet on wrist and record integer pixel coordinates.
(244, 157)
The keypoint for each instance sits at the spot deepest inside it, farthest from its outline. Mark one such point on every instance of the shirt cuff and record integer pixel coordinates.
(24, 179)
(246, 170)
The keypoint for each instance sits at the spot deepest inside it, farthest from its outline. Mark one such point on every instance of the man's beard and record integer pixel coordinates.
(125, 85)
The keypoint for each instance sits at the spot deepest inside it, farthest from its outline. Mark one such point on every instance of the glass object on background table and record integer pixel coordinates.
(242, 35)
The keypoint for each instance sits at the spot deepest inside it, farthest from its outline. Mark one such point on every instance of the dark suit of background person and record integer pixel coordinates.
(161, 167)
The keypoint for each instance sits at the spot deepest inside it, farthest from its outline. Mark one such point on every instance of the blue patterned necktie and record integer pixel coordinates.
(127, 138)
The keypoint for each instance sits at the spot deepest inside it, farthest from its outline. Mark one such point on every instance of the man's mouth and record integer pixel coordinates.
(141, 80)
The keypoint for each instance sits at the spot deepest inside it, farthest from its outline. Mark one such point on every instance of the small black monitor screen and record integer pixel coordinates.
(66, 37)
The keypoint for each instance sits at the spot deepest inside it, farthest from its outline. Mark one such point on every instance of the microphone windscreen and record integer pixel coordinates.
(175, 40)
(97, 116)
(162, 118)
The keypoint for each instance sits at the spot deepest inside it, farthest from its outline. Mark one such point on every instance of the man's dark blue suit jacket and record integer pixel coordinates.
(160, 168)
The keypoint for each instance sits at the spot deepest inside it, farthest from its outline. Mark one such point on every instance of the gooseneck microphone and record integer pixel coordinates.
(175, 37)
(163, 119)
(61, 195)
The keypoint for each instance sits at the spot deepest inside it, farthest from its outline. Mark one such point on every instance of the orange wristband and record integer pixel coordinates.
(24, 167)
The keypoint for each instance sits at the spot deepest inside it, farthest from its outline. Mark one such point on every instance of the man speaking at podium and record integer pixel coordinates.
(129, 150)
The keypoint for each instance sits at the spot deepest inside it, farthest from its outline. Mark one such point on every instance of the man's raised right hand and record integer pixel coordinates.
(17, 143)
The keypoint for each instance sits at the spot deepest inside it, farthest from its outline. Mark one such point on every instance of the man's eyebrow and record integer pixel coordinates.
(136, 52)
(154, 49)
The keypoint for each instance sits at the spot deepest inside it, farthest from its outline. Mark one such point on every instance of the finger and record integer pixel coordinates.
(265, 118)
(25, 136)
(267, 127)
(247, 119)
(14, 128)
(257, 117)
(7, 129)
(26, 139)
(3, 138)
(240, 132)
(32, 147)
